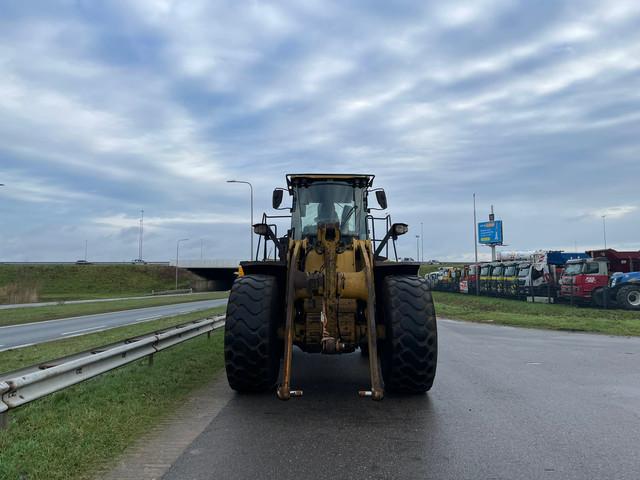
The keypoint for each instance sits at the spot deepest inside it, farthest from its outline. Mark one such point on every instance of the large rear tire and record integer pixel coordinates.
(410, 350)
(252, 349)
(629, 297)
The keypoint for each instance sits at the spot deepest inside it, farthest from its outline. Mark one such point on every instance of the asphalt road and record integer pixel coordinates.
(38, 332)
(507, 404)
(92, 300)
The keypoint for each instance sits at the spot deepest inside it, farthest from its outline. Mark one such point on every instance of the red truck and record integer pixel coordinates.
(587, 280)
(470, 278)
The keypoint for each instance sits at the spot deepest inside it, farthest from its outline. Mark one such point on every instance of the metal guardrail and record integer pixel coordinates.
(31, 383)
(88, 263)
(171, 292)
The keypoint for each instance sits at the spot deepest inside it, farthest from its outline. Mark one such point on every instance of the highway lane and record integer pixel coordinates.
(31, 333)
(94, 300)
(508, 403)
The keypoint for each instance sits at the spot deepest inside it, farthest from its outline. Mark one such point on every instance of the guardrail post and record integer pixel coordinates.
(532, 292)
(573, 292)
(4, 420)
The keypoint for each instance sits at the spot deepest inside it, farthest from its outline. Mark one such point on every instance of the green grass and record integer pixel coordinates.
(524, 314)
(74, 433)
(71, 282)
(17, 316)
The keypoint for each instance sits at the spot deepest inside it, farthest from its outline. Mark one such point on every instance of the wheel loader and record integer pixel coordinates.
(329, 287)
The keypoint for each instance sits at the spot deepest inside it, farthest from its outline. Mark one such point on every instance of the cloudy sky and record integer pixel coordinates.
(110, 107)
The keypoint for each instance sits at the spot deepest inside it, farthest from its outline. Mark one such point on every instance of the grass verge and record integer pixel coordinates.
(17, 316)
(74, 282)
(73, 433)
(524, 314)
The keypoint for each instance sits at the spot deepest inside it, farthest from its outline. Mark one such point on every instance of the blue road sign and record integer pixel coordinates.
(490, 233)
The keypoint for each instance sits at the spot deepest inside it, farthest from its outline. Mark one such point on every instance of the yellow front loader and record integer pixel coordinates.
(331, 289)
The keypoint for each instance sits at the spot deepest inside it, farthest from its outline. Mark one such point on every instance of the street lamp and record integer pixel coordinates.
(140, 235)
(251, 225)
(604, 230)
(421, 242)
(178, 257)
(417, 248)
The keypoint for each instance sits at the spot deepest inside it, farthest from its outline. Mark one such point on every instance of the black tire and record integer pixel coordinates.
(629, 297)
(410, 350)
(252, 349)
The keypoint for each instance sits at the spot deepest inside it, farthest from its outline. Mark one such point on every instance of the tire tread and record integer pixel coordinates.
(410, 351)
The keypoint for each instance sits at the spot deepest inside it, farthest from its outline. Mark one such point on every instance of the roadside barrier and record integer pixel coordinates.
(31, 383)
(172, 292)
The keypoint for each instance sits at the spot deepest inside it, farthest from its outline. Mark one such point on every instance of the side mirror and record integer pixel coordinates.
(261, 229)
(381, 197)
(398, 229)
(276, 200)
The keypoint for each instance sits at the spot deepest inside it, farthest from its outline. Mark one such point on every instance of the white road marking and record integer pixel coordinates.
(109, 313)
(82, 330)
(17, 346)
(149, 318)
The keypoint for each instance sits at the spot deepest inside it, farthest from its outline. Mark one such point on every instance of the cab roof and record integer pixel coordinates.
(306, 178)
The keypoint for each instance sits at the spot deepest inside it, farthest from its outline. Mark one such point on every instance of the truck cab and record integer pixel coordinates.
(469, 279)
(497, 279)
(485, 278)
(510, 279)
(582, 276)
(609, 277)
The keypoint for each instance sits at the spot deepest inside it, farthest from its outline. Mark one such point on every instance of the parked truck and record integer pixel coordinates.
(540, 277)
(485, 277)
(446, 279)
(470, 276)
(604, 278)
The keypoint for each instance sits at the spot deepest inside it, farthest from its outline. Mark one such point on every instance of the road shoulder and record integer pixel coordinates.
(154, 453)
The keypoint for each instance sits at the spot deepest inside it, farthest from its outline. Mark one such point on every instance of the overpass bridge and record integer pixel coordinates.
(219, 273)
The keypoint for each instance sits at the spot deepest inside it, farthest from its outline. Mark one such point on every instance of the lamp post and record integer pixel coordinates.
(251, 225)
(604, 230)
(417, 248)
(140, 235)
(475, 229)
(475, 245)
(178, 257)
(421, 242)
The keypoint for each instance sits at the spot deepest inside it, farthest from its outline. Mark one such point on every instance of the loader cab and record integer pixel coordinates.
(332, 200)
